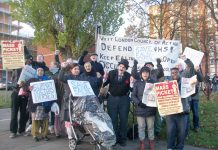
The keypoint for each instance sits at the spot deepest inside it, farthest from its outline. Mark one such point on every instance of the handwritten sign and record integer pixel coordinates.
(27, 73)
(112, 49)
(149, 98)
(188, 86)
(194, 55)
(150, 53)
(168, 99)
(80, 88)
(12, 54)
(43, 91)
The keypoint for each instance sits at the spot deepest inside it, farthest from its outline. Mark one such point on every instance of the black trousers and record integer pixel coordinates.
(18, 104)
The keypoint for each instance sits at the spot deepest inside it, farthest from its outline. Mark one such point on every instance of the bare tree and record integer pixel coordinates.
(212, 5)
(161, 17)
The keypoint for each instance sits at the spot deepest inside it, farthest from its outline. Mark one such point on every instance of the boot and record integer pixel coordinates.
(142, 145)
(151, 144)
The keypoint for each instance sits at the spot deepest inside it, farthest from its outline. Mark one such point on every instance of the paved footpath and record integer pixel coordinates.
(27, 143)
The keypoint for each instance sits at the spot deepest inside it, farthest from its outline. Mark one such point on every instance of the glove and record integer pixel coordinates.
(142, 105)
(158, 61)
(135, 62)
(85, 52)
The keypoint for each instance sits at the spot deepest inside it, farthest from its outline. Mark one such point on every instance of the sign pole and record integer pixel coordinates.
(6, 87)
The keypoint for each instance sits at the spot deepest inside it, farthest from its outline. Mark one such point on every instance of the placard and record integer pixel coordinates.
(188, 86)
(80, 88)
(43, 91)
(12, 54)
(168, 99)
(194, 55)
(149, 98)
(27, 73)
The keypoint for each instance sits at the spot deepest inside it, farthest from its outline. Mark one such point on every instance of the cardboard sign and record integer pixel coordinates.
(194, 55)
(12, 54)
(27, 73)
(80, 88)
(112, 49)
(188, 86)
(43, 91)
(149, 98)
(168, 99)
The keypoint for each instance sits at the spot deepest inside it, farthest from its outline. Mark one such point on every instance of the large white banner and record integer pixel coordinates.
(80, 88)
(188, 86)
(27, 73)
(12, 54)
(43, 91)
(112, 49)
(194, 55)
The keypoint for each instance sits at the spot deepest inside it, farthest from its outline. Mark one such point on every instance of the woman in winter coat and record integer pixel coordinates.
(39, 111)
(74, 74)
(95, 79)
(145, 114)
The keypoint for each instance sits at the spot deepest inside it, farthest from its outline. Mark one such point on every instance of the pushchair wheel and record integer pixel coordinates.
(72, 144)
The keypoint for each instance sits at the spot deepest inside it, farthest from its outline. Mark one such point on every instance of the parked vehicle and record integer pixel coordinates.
(10, 85)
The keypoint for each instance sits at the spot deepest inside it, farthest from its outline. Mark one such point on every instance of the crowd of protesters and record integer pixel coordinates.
(120, 83)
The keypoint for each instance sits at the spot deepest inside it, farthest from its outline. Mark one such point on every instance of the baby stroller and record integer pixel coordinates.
(86, 116)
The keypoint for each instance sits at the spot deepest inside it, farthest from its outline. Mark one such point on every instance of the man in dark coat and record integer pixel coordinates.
(97, 67)
(118, 100)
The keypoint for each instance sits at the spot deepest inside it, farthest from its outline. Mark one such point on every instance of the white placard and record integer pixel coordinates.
(80, 88)
(188, 86)
(27, 73)
(112, 49)
(150, 53)
(149, 98)
(194, 55)
(43, 91)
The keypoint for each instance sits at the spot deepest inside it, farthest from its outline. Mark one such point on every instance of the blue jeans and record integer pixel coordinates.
(176, 131)
(194, 109)
(118, 110)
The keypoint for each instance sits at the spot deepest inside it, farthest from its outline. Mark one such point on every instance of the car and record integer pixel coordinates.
(10, 85)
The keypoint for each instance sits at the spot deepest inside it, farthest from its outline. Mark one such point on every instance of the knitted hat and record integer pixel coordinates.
(145, 69)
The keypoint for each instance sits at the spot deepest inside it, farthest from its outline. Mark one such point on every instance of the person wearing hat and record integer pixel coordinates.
(97, 67)
(157, 75)
(118, 100)
(145, 114)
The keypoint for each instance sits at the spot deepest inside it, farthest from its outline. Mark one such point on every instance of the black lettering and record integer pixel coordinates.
(103, 46)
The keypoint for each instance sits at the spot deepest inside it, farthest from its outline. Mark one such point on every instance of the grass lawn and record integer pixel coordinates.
(208, 133)
(5, 101)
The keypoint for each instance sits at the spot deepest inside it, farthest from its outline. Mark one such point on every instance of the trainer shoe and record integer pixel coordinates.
(12, 135)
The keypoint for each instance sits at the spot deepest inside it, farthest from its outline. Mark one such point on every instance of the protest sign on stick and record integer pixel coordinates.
(149, 98)
(27, 73)
(188, 86)
(43, 91)
(80, 88)
(194, 55)
(12, 54)
(168, 99)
